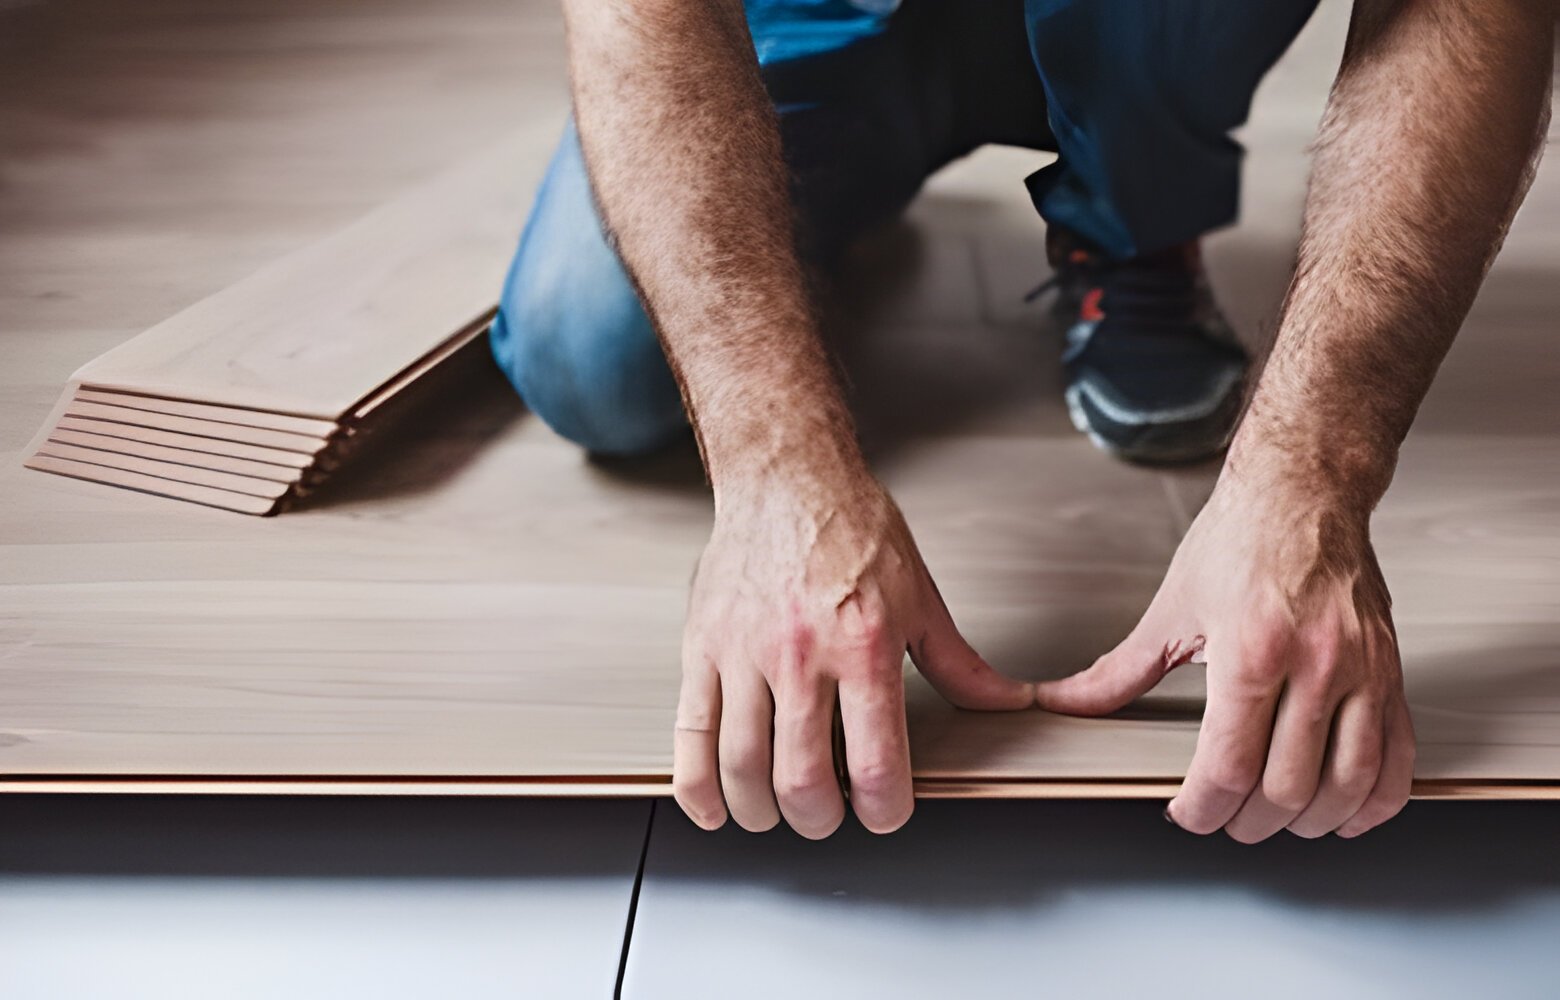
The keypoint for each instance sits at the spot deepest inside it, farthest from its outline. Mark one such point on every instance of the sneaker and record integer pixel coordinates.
(1154, 372)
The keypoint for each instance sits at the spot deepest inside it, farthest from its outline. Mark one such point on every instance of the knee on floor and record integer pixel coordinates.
(590, 366)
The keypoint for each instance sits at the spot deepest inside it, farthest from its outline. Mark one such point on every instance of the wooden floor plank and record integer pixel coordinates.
(222, 414)
(249, 485)
(131, 418)
(185, 442)
(317, 331)
(157, 486)
(177, 456)
(478, 606)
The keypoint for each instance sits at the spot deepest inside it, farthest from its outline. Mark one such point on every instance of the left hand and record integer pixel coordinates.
(1306, 726)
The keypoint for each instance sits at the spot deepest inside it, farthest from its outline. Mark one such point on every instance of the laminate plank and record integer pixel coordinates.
(320, 329)
(176, 456)
(156, 485)
(482, 608)
(210, 429)
(249, 485)
(184, 442)
(221, 414)
(434, 358)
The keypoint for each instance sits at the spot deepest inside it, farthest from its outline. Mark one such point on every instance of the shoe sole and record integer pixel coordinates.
(1156, 444)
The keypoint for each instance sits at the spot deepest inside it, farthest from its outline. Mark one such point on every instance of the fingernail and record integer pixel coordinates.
(1171, 819)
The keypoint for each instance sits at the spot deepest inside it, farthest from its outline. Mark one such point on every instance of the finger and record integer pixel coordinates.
(1125, 673)
(806, 784)
(877, 748)
(958, 672)
(1353, 764)
(1232, 745)
(1396, 779)
(695, 772)
(1294, 765)
(746, 735)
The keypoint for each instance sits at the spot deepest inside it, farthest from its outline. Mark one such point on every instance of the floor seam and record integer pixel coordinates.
(633, 905)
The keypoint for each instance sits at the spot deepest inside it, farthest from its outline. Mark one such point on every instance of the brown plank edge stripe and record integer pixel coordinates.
(187, 442)
(207, 496)
(635, 786)
(284, 440)
(312, 426)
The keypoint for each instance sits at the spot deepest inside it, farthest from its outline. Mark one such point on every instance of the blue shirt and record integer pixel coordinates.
(793, 29)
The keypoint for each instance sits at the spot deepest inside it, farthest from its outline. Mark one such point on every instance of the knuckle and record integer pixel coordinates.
(746, 762)
(804, 781)
(1267, 643)
(1233, 776)
(875, 776)
(1288, 792)
(1356, 780)
(1256, 671)
(865, 625)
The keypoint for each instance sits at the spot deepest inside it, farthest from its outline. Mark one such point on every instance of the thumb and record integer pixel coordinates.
(1131, 669)
(960, 674)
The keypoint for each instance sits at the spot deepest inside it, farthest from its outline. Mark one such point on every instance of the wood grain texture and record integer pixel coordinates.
(478, 609)
(317, 331)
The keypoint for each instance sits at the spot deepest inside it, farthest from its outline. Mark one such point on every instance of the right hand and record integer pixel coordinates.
(802, 598)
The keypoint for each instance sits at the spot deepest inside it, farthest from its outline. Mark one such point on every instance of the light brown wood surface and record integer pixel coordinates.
(214, 430)
(235, 482)
(214, 447)
(478, 608)
(320, 329)
(176, 456)
(207, 411)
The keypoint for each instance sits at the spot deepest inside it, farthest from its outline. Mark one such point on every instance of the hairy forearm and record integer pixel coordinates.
(684, 155)
(1428, 144)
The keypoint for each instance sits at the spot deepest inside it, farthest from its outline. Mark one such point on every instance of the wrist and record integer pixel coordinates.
(1309, 459)
(799, 461)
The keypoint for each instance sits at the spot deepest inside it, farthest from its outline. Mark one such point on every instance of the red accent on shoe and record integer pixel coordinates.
(1090, 311)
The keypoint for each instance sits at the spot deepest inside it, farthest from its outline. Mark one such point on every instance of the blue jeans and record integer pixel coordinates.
(1137, 97)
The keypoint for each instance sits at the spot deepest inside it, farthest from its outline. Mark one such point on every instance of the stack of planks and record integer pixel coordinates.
(245, 400)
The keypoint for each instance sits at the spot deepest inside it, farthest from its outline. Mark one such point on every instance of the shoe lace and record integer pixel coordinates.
(1132, 287)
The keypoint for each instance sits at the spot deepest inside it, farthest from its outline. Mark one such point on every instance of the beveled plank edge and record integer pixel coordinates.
(205, 496)
(642, 786)
(213, 430)
(243, 416)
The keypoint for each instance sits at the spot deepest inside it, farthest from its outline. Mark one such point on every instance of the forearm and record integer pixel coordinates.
(684, 156)
(1428, 145)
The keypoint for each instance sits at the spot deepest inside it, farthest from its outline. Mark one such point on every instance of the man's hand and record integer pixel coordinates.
(1429, 142)
(1306, 726)
(805, 599)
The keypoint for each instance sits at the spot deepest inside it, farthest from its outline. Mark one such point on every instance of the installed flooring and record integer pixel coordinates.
(479, 607)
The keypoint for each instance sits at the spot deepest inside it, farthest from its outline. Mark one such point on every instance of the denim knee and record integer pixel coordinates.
(571, 334)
